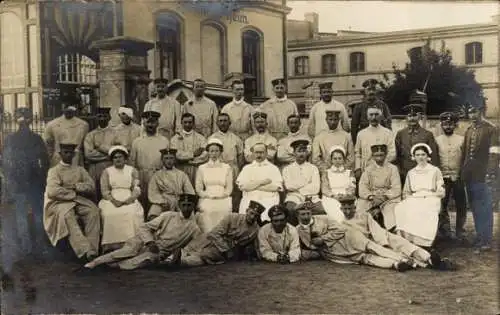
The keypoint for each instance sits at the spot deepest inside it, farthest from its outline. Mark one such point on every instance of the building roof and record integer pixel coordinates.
(395, 36)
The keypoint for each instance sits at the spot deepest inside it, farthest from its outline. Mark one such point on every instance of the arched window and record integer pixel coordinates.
(302, 65)
(213, 52)
(76, 68)
(473, 53)
(168, 40)
(251, 60)
(357, 62)
(328, 64)
(12, 47)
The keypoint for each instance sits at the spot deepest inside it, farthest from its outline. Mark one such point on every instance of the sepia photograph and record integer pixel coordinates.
(249, 157)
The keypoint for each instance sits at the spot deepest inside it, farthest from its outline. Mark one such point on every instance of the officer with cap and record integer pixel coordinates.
(261, 135)
(317, 115)
(359, 119)
(481, 160)
(407, 137)
(278, 108)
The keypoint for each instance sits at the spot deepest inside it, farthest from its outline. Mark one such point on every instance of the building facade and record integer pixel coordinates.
(348, 58)
(50, 55)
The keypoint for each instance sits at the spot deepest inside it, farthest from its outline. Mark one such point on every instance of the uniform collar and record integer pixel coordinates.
(236, 102)
(340, 169)
(281, 100)
(187, 133)
(308, 225)
(263, 163)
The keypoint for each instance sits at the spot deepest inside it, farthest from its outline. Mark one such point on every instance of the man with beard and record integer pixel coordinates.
(261, 135)
(239, 112)
(69, 192)
(302, 182)
(359, 117)
(372, 135)
(68, 129)
(156, 239)
(285, 154)
(380, 187)
(407, 137)
(96, 147)
(326, 139)
(277, 108)
(190, 146)
(167, 185)
(481, 158)
(317, 115)
(235, 231)
(341, 243)
(203, 109)
(169, 109)
(451, 154)
(25, 163)
(127, 131)
(145, 156)
(278, 241)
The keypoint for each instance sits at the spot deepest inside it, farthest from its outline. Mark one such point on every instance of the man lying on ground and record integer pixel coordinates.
(157, 239)
(279, 240)
(234, 232)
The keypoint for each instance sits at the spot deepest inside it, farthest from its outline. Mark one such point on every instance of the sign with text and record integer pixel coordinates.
(220, 10)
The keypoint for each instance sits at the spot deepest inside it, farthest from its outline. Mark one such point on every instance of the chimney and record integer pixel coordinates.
(313, 19)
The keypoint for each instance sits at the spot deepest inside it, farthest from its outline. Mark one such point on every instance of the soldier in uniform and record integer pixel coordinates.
(317, 115)
(359, 119)
(203, 109)
(278, 108)
(481, 158)
(407, 137)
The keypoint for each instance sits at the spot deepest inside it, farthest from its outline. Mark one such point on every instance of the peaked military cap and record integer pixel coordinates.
(379, 148)
(151, 115)
(160, 80)
(188, 198)
(371, 83)
(299, 144)
(276, 210)
(168, 151)
(448, 117)
(254, 205)
(330, 112)
(413, 109)
(67, 146)
(259, 114)
(103, 111)
(325, 85)
(278, 81)
(347, 199)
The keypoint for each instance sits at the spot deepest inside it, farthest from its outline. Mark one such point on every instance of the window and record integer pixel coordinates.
(328, 64)
(357, 62)
(251, 61)
(76, 69)
(168, 36)
(12, 64)
(473, 53)
(212, 48)
(302, 65)
(33, 54)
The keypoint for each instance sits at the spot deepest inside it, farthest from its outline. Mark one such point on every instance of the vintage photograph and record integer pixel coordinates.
(249, 157)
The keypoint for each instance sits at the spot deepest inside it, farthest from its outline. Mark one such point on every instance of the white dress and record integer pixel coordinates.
(417, 215)
(120, 224)
(336, 181)
(214, 180)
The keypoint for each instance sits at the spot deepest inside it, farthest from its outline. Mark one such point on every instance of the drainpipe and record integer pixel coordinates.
(285, 45)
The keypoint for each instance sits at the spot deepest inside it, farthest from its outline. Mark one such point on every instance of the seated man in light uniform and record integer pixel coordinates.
(301, 180)
(260, 180)
(285, 155)
(380, 187)
(278, 241)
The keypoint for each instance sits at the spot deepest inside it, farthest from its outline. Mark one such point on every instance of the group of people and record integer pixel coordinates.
(190, 185)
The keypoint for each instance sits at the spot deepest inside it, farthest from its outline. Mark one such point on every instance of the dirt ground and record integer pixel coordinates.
(257, 287)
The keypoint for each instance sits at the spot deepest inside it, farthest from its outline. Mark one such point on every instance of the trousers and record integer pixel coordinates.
(482, 211)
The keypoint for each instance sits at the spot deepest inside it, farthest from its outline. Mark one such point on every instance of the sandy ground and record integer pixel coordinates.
(257, 287)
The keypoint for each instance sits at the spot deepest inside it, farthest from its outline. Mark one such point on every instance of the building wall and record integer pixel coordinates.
(265, 22)
(380, 56)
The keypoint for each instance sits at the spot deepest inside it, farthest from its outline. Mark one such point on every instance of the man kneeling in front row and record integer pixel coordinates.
(235, 231)
(157, 239)
(278, 241)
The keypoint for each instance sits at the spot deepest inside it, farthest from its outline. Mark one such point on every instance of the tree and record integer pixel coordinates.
(448, 87)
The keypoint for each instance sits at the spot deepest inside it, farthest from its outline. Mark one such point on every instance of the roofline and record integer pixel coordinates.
(399, 36)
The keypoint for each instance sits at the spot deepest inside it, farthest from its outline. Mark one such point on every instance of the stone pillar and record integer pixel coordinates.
(123, 73)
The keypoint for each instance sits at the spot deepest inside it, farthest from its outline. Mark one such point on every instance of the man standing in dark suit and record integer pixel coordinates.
(481, 152)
